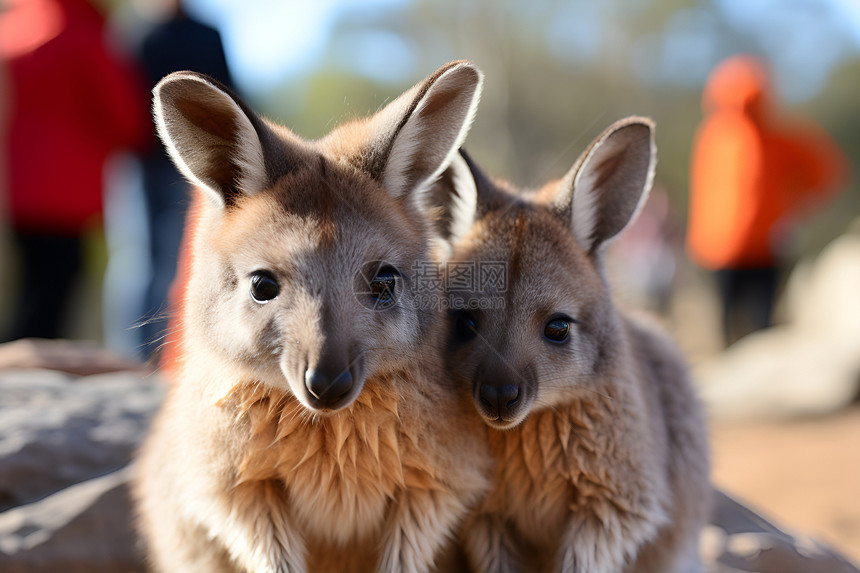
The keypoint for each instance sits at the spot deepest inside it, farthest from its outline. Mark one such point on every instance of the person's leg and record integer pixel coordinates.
(167, 199)
(728, 283)
(128, 270)
(49, 267)
(761, 296)
(748, 300)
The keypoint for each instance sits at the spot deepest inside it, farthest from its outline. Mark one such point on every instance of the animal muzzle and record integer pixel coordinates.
(334, 379)
(328, 389)
(499, 401)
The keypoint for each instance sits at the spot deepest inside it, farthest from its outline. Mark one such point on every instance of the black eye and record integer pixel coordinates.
(557, 329)
(465, 326)
(383, 284)
(264, 287)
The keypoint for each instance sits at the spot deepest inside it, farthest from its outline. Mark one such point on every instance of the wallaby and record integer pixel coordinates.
(309, 428)
(600, 444)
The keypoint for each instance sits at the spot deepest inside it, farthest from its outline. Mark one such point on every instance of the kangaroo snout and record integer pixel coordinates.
(499, 400)
(503, 395)
(503, 405)
(334, 378)
(328, 390)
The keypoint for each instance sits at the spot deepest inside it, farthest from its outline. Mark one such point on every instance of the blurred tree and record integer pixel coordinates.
(558, 72)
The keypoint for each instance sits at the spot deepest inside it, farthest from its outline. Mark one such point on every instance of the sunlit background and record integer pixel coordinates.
(557, 73)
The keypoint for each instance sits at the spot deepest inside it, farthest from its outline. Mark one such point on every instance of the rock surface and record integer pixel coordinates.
(84, 528)
(65, 447)
(738, 540)
(82, 358)
(57, 430)
(65, 444)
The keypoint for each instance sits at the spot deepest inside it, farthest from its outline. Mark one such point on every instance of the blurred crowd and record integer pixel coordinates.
(78, 154)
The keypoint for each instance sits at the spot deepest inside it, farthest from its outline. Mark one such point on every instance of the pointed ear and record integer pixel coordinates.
(452, 200)
(415, 137)
(609, 183)
(214, 139)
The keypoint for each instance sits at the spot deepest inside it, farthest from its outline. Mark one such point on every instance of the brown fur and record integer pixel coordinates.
(602, 457)
(246, 469)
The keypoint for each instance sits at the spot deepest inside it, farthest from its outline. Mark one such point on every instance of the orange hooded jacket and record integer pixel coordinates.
(749, 175)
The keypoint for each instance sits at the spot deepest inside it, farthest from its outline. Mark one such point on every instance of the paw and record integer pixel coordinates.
(272, 566)
(490, 546)
(403, 558)
(573, 562)
(591, 550)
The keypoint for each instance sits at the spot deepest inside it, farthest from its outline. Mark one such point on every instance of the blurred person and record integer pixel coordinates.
(72, 103)
(5, 275)
(4, 112)
(753, 175)
(174, 42)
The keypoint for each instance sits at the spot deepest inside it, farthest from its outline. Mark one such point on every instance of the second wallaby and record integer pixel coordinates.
(600, 444)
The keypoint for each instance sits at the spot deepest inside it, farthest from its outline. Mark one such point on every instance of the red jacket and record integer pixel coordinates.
(72, 103)
(751, 174)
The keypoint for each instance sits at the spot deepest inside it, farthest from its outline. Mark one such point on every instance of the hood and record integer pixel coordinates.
(740, 83)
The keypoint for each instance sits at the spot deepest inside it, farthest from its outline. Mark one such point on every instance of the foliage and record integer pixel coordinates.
(558, 72)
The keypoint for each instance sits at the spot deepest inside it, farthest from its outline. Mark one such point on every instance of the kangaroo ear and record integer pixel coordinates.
(609, 183)
(452, 200)
(216, 141)
(461, 195)
(415, 137)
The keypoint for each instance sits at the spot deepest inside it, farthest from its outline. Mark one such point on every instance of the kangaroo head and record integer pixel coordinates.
(303, 249)
(542, 326)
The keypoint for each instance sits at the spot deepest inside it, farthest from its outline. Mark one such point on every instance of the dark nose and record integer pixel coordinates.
(499, 400)
(327, 390)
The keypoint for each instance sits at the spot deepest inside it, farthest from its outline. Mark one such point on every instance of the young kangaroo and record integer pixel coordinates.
(307, 428)
(600, 444)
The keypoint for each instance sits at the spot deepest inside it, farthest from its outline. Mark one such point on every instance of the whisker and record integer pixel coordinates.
(560, 383)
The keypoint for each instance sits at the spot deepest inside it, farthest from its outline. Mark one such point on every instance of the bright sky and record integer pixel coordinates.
(268, 40)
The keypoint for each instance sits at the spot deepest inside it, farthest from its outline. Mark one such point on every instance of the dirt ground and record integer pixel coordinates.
(804, 474)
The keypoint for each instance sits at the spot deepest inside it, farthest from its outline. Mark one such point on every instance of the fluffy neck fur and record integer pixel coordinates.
(343, 468)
